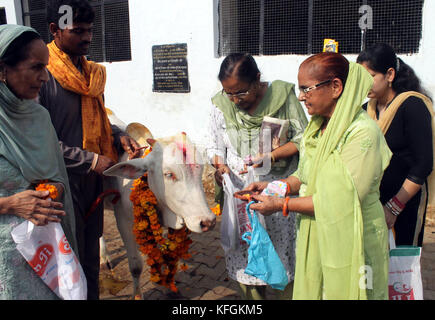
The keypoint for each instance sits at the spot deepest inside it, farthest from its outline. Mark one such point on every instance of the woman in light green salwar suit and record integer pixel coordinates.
(342, 240)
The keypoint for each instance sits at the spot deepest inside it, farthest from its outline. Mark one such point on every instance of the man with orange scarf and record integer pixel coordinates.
(74, 98)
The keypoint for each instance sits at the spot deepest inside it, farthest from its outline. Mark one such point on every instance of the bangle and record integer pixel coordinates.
(393, 210)
(398, 203)
(94, 162)
(285, 207)
(395, 206)
(288, 189)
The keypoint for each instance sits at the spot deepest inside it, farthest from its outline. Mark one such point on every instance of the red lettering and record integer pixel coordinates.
(41, 258)
(395, 295)
(64, 246)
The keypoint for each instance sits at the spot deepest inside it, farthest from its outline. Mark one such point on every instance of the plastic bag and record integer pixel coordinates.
(404, 280)
(263, 261)
(229, 223)
(234, 221)
(48, 252)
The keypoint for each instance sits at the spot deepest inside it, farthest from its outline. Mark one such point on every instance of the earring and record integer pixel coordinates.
(390, 84)
(3, 77)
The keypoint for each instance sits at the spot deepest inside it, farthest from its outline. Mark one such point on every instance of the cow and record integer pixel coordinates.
(174, 169)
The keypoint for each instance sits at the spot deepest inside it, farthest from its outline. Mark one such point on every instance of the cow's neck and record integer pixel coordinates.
(168, 217)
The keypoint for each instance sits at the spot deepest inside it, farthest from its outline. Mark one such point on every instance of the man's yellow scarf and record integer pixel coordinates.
(97, 133)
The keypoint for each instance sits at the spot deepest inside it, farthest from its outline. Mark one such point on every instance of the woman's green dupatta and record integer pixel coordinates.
(330, 246)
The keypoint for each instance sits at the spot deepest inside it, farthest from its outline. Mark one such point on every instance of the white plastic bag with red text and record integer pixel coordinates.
(404, 279)
(48, 252)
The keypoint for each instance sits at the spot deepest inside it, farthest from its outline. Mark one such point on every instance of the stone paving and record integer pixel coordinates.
(206, 278)
(428, 263)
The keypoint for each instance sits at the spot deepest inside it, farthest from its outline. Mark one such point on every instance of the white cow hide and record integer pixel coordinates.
(175, 177)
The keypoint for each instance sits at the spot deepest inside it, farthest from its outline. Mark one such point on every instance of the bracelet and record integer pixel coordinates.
(285, 207)
(395, 206)
(398, 203)
(94, 162)
(393, 210)
(288, 189)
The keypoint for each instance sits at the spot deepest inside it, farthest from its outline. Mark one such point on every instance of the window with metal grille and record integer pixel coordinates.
(111, 31)
(3, 19)
(273, 27)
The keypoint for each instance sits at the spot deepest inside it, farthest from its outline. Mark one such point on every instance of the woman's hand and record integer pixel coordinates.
(219, 172)
(31, 205)
(267, 204)
(256, 162)
(256, 187)
(390, 218)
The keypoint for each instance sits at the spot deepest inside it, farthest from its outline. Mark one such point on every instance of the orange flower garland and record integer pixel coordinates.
(217, 210)
(43, 186)
(163, 253)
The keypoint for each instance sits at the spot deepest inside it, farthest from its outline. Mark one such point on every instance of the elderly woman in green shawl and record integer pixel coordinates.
(342, 241)
(29, 153)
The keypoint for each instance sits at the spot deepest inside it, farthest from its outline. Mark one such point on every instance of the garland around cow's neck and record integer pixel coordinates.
(163, 252)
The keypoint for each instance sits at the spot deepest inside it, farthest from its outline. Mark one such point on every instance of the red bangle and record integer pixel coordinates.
(288, 189)
(398, 203)
(285, 207)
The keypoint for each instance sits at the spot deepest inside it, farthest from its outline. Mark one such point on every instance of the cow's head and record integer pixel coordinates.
(175, 177)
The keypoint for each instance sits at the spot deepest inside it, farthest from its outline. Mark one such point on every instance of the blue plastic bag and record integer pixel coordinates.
(263, 261)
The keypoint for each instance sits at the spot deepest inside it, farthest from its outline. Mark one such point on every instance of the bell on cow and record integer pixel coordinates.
(139, 132)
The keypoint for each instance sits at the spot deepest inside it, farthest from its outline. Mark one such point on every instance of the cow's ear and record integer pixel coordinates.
(131, 169)
(151, 142)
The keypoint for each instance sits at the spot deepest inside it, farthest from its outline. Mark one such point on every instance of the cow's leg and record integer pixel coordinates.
(123, 211)
(104, 257)
(124, 221)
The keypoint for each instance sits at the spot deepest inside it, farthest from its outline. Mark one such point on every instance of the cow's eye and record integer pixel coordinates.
(170, 175)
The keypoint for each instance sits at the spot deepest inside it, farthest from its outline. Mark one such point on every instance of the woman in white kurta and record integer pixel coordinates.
(235, 120)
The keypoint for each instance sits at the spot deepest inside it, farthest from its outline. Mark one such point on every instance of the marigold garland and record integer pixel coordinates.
(217, 210)
(163, 252)
(43, 186)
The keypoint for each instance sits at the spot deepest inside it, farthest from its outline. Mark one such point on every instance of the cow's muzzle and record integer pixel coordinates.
(207, 225)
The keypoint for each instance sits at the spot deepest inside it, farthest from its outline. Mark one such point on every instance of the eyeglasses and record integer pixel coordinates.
(240, 95)
(306, 90)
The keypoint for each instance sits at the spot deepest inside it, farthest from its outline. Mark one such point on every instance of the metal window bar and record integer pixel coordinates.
(111, 34)
(272, 27)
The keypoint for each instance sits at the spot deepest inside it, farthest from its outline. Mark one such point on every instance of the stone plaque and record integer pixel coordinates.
(170, 68)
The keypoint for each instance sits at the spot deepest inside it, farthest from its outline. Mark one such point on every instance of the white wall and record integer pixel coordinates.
(13, 11)
(129, 84)
(129, 87)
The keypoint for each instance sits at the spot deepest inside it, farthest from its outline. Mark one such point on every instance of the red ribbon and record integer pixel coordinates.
(101, 198)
